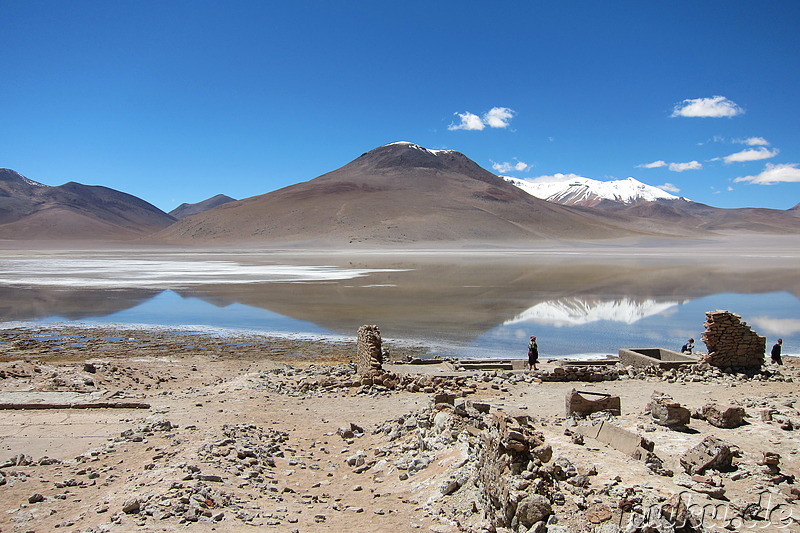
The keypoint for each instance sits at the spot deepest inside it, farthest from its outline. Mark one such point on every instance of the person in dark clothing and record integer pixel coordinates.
(688, 347)
(776, 352)
(533, 353)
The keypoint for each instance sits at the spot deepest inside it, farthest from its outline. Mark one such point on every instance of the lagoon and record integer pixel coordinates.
(466, 304)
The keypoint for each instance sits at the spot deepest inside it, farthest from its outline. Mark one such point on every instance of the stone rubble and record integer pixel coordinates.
(475, 463)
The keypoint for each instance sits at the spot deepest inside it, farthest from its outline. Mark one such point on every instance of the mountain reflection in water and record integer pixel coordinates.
(477, 307)
(576, 311)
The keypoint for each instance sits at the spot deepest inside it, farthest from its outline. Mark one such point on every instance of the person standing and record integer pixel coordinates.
(776, 352)
(688, 347)
(533, 353)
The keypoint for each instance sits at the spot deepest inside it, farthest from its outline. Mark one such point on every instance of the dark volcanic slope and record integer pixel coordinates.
(30, 210)
(398, 193)
(187, 210)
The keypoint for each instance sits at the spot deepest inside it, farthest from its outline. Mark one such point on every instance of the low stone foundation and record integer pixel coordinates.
(660, 357)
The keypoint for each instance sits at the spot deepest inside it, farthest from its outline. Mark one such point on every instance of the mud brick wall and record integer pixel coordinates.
(368, 349)
(731, 343)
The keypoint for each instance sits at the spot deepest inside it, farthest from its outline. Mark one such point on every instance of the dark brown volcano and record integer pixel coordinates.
(397, 193)
(31, 210)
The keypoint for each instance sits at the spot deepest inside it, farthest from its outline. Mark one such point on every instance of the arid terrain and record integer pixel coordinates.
(195, 432)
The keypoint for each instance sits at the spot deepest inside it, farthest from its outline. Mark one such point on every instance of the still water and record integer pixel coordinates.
(479, 305)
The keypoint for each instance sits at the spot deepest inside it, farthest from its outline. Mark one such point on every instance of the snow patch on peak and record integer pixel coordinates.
(32, 183)
(418, 147)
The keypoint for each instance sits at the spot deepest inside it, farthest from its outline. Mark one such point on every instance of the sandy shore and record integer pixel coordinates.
(231, 433)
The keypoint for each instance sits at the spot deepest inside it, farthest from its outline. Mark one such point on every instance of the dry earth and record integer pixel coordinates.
(279, 435)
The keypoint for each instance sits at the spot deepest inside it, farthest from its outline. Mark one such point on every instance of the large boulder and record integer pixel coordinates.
(531, 509)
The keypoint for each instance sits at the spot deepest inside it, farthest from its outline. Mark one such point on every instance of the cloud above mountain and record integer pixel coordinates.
(681, 167)
(669, 187)
(654, 164)
(772, 174)
(496, 117)
(751, 154)
(505, 167)
(714, 107)
(673, 167)
(469, 121)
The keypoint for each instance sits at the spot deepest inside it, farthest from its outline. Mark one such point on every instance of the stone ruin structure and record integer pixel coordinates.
(369, 355)
(731, 343)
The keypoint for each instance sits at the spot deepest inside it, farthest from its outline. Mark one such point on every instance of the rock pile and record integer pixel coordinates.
(313, 380)
(579, 373)
(368, 349)
(731, 343)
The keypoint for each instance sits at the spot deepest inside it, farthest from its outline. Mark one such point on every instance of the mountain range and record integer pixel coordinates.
(587, 192)
(30, 210)
(399, 193)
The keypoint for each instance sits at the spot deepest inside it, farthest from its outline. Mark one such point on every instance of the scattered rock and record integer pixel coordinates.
(667, 412)
(710, 454)
(723, 417)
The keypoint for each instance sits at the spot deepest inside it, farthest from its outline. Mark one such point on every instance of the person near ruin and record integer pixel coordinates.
(688, 347)
(776, 353)
(533, 353)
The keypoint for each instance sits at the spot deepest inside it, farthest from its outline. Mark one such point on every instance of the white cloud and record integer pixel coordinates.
(751, 154)
(469, 121)
(772, 174)
(680, 167)
(714, 107)
(753, 141)
(498, 117)
(502, 168)
(669, 187)
(654, 164)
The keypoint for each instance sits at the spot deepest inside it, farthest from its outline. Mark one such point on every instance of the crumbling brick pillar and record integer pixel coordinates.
(368, 350)
(731, 343)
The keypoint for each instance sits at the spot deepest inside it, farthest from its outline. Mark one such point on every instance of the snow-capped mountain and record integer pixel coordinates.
(577, 190)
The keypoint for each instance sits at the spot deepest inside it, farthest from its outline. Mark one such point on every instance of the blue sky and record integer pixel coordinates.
(176, 101)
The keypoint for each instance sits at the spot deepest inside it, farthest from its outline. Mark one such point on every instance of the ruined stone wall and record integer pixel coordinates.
(368, 350)
(512, 456)
(731, 343)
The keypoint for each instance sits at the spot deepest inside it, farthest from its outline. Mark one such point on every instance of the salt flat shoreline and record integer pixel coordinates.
(332, 452)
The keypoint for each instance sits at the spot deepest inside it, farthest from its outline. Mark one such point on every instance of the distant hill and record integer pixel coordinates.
(186, 210)
(632, 198)
(33, 211)
(395, 194)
